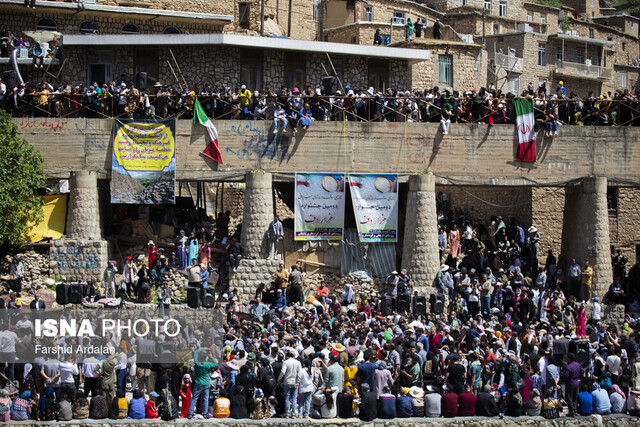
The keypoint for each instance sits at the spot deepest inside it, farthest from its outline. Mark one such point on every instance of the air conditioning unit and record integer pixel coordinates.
(525, 27)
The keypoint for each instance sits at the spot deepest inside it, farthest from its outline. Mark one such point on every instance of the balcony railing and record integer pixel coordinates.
(510, 63)
(575, 69)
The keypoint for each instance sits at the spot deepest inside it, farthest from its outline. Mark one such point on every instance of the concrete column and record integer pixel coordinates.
(257, 213)
(585, 233)
(420, 249)
(83, 218)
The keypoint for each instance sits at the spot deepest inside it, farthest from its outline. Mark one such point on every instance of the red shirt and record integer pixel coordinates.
(449, 405)
(467, 404)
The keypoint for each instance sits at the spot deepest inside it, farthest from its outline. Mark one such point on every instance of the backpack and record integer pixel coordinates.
(170, 409)
(267, 380)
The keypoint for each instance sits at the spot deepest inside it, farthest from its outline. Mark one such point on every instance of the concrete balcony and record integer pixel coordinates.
(511, 64)
(581, 71)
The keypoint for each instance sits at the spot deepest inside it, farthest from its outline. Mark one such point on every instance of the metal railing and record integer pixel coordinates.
(510, 63)
(576, 69)
(407, 108)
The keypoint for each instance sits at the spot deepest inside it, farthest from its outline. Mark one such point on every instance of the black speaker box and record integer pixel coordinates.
(420, 306)
(329, 85)
(193, 297)
(404, 303)
(387, 305)
(141, 80)
(62, 294)
(75, 293)
(208, 300)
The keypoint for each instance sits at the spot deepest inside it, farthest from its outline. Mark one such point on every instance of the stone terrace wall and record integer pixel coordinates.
(476, 153)
(623, 227)
(509, 201)
(547, 214)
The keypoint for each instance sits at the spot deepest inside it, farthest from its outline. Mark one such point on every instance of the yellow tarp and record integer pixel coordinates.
(55, 217)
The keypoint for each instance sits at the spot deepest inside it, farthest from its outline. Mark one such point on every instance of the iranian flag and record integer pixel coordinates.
(199, 116)
(525, 124)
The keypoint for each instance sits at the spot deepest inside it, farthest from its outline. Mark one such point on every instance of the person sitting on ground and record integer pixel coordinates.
(137, 406)
(81, 407)
(151, 409)
(387, 405)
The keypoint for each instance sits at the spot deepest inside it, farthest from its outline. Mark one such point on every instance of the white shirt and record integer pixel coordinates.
(3, 90)
(88, 369)
(596, 311)
(67, 371)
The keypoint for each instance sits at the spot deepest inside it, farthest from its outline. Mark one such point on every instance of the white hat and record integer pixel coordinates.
(394, 272)
(416, 392)
(532, 229)
(243, 87)
(444, 267)
(150, 243)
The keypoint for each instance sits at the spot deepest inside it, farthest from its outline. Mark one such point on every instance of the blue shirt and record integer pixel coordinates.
(387, 406)
(136, 408)
(585, 403)
(366, 371)
(601, 402)
(281, 302)
(403, 407)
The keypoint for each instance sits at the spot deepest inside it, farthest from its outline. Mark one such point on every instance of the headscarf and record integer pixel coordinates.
(347, 293)
(617, 389)
(26, 395)
(186, 376)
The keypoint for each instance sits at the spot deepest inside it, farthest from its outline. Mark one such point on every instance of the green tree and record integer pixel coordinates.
(21, 175)
(632, 7)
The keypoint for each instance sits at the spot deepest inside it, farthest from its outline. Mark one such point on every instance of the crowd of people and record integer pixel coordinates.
(295, 108)
(514, 338)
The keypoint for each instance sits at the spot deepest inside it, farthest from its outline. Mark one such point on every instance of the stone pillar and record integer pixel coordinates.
(420, 254)
(83, 218)
(257, 213)
(585, 233)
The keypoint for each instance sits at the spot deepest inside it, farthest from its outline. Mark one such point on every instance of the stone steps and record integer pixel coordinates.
(250, 273)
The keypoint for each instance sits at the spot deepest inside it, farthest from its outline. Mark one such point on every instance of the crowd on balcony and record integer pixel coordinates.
(553, 106)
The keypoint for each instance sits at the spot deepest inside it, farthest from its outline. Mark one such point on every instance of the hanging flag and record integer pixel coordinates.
(199, 116)
(525, 125)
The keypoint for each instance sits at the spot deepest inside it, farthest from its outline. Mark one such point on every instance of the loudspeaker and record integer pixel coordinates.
(75, 293)
(329, 85)
(437, 303)
(404, 303)
(62, 294)
(581, 350)
(193, 297)
(141, 80)
(420, 306)
(387, 305)
(208, 300)
(10, 79)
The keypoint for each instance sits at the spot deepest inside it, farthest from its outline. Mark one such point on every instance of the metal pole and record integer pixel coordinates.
(289, 25)
(483, 24)
(261, 18)
(336, 74)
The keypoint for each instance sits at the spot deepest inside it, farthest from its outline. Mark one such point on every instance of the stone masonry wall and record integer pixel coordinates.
(469, 68)
(74, 259)
(623, 227)
(250, 274)
(547, 215)
(510, 201)
(25, 19)
(257, 214)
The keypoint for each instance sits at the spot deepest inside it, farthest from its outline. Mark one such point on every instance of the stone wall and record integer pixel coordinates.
(505, 201)
(624, 225)
(257, 214)
(469, 67)
(547, 210)
(23, 19)
(250, 274)
(75, 259)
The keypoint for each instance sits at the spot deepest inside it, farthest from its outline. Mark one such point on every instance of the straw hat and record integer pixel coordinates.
(416, 392)
(444, 267)
(338, 347)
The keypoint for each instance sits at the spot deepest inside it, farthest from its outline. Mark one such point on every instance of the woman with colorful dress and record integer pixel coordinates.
(182, 250)
(581, 323)
(205, 254)
(193, 248)
(454, 241)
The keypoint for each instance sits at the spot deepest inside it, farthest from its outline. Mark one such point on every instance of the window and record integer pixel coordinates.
(445, 70)
(171, 30)
(130, 29)
(243, 15)
(398, 17)
(503, 8)
(88, 27)
(591, 33)
(624, 46)
(543, 18)
(496, 28)
(378, 74)
(514, 84)
(529, 17)
(294, 69)
(612, 200)
(542, 54)
(462, 2)
(559, 53)
(580, 56)
(623, 79)
(315, 10)
(487, 4)
(46, 24)
(251, 68)
(368, 13)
